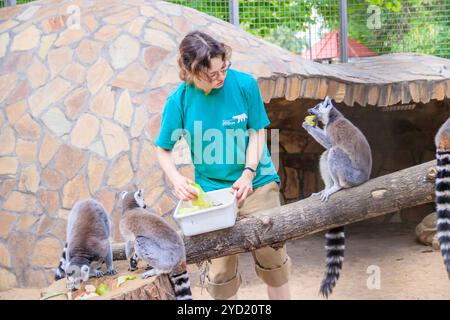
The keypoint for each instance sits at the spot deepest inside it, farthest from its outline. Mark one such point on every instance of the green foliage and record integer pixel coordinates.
(405, 25)
(262, 17)
(288, 39)
(420, 26)
(216, 8)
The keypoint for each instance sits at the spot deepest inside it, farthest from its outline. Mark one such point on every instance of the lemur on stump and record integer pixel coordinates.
(150, 238)
(88, 231)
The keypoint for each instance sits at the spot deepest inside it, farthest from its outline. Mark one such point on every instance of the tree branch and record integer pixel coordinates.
(402, 189)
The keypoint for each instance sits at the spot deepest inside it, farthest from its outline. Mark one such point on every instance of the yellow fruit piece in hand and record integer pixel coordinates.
(312, 120)
(122, 279)
(202, 201)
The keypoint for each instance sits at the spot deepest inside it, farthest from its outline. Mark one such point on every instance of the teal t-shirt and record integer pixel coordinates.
(216, 128)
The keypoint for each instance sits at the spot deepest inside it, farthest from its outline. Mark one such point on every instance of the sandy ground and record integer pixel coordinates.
(407, 269)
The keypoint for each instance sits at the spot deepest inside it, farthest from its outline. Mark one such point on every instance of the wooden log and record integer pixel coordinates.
(332, 89)
(360, 95)
(447, 89)
(267, 88)
(385, 93)
(293, 88)
(349, 96)
(311, 88)
(414, 90)
(402, 189)
(280, 87)
(396, 94)
(425, 90)
(321, 92)
(438, 91)
(155, 288)
(406, 95)
(340, 93)
(372, 96)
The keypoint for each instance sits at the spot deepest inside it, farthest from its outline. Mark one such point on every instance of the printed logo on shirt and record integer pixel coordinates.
(235, 119)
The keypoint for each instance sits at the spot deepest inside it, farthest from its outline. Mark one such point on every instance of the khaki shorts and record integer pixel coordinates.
(272, 266)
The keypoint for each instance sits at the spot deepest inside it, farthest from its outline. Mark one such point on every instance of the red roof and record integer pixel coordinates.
(328, 48)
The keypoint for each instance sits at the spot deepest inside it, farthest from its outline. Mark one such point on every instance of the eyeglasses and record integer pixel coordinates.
(214, 75)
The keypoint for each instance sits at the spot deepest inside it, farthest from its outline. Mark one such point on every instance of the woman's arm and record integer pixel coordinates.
(243, 185)
(183, 189)
(255, 148)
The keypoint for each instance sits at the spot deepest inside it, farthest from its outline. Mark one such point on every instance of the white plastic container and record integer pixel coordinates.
(211, 219)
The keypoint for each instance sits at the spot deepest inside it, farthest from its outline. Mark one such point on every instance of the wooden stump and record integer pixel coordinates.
(154, 288)
(426, 230)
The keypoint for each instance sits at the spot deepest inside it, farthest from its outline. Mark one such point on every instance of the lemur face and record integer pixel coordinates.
(322, 110)
(139, 197)
(76, 275)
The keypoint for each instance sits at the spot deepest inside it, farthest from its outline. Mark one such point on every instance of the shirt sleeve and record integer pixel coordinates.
(257, 116)
(171, 125)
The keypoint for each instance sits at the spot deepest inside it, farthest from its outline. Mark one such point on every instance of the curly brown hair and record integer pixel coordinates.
(195, 53)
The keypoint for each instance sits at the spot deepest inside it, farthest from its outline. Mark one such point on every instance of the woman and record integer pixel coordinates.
(220, 113)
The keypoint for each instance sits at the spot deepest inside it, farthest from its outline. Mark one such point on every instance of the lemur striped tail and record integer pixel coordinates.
(443, 205)
(335, 246)
(61, 269)
(181, 285)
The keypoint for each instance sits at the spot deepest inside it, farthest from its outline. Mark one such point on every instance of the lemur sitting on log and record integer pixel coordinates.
(347, 162)
(153, 240)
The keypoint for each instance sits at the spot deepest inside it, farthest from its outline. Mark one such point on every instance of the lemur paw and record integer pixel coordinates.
(317, 194)
(98, 274)
(133, 264)
(111, 272)
(325, 196)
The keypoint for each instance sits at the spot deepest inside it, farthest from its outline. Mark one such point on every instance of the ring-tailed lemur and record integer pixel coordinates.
(150, 238)
(442, 184)
(347, 162)
(88, 231)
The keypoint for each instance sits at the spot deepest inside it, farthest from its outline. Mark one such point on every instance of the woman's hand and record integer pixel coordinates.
(243, 186)
(183, 188)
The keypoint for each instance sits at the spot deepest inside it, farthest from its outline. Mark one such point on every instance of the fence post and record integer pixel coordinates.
(234, 12)
(343, 37)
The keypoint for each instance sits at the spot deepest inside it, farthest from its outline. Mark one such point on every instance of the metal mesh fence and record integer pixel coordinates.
(293, 25)
(217, 8)
(421, 26)
(311, 27)
(4, 3)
